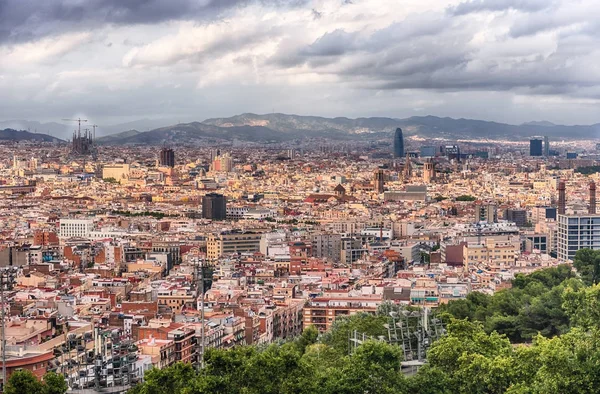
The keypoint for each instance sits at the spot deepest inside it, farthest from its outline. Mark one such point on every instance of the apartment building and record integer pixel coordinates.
(327, 246)
(503, 251)
(232, 242)
(321, 312)
(118, 172)
(80, 228)
(577, 232)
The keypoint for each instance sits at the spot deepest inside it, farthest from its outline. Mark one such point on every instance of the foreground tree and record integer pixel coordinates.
(54, 384)
(23, 381)
(587, 263)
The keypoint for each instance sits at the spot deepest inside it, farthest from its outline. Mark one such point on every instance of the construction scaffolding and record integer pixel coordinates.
(413, 330)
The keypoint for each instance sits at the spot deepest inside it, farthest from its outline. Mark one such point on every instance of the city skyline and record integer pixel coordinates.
(508, 61)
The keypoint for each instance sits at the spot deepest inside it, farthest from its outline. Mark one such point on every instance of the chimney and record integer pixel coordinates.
(592, 210)
(562, 199)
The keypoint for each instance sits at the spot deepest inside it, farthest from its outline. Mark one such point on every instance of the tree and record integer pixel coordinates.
(533, 305)
(23, 381)
(465, 197)
(583, 306)
(169, 380)
(54, 384)
(587, 263)
(566, 364)
(373, 367)
(308, 337)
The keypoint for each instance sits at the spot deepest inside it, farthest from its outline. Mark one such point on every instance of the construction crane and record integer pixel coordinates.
(78, 120)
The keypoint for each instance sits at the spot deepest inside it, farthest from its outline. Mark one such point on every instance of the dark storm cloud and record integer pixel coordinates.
(25, 20)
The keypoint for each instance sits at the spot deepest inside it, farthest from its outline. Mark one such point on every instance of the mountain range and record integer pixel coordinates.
(22, 135)
(281, 127)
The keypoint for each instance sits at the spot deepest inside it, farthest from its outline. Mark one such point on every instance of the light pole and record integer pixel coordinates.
(6, 278)
(200, 293)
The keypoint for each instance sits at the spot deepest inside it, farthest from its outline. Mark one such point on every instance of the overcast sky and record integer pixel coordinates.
(119, 60)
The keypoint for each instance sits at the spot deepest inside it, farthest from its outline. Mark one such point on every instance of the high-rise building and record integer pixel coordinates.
(576, 232)
(327, 245)
(546, 146)
(452, 152)
(427, 151)
(222, 163)
(167, 157)
(398, 143)
(535, 147)
(486, 212)
(379, 181)
(214, 206)
(518, 216)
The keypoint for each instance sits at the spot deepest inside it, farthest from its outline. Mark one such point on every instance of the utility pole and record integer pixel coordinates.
(3, 330)
(202, 314)
(199, 270)
(5, 282)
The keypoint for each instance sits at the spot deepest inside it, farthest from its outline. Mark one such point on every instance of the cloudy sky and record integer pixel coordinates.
(120, 60)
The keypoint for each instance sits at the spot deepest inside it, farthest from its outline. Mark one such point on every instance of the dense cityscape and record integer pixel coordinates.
(140, 257)
(299, 197)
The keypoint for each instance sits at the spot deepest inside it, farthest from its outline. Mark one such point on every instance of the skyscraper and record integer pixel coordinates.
(546, 146)
(398, 143)
(535, 147)
(167, 157)
(214, 206)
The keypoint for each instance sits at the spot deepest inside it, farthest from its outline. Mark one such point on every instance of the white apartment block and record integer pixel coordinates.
(577, 232)
(75, 228)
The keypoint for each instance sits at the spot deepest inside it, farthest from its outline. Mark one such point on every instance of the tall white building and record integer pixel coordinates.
(76, 228)
(577, 232)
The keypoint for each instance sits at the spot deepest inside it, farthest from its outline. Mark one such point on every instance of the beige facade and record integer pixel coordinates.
(491, 250)
(120, 172)
(223, 244)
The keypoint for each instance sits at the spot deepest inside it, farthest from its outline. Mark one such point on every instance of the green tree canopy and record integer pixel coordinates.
(23, 381)
(587, 263)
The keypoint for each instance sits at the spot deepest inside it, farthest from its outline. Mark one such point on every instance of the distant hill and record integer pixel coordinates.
(117, 136)
(539, 123)
(293, 123)
(21, 135)
(196, 132)
(51, 128)
(425, 126)
(281, 127)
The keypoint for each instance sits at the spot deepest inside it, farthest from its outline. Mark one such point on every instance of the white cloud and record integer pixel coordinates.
(50, 49)
(382, 57)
